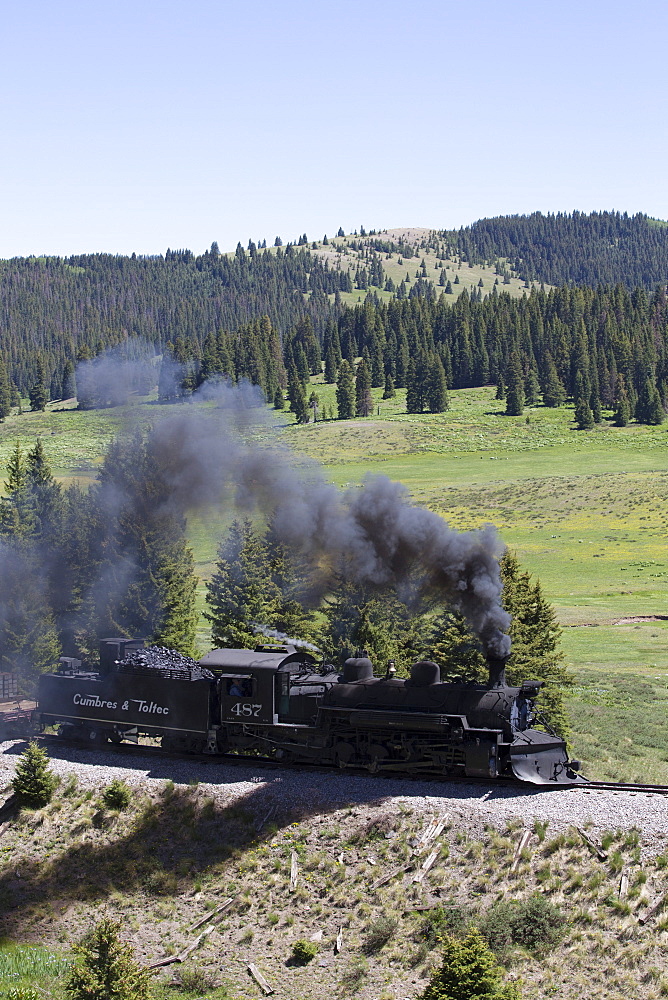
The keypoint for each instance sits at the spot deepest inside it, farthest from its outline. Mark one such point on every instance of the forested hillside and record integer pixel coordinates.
(601, 248)
(55, 310)
(276, 316)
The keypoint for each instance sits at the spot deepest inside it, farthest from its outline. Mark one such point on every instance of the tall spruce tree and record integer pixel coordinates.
(554, 393)
(345, 392)
(363, 397)
(242, 595)
(147, 565)
(515, 387)
(437, 387)
(5, 392)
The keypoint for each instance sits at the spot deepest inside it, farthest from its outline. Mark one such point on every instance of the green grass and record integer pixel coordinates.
(30, 965)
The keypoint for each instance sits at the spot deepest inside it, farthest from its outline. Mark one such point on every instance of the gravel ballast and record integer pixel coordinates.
(310, 791)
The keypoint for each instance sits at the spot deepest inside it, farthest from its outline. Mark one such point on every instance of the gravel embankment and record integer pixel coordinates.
(310, 792)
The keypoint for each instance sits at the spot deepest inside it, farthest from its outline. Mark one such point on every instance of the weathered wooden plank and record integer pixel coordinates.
(265, 818)
(521, 844)
(652, 910)
(182, 956)
(259, 979)
(592, 845)
(623, 885)
(210, 917)
(426, 865)
(338, 945)
(294, 871)
(389, 875)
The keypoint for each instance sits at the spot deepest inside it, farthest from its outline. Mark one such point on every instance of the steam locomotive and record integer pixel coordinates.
(279, 702)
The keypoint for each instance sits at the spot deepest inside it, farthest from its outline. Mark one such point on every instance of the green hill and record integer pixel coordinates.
(600, 248)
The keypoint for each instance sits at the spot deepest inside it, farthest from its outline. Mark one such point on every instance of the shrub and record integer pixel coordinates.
(451, 918)
(22, 993)
(468, 970)
(534, 923)
(117, 795)
(33, 783)
(304, 951)
(105, 967)
(379, 933)
(194, 979)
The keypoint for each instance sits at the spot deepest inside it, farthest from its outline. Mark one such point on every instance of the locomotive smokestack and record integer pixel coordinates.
(497, 671)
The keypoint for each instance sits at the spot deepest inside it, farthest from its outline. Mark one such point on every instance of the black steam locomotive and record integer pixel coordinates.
(278, 701)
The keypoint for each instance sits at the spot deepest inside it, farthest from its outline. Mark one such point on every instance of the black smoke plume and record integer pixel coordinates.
(228, 454)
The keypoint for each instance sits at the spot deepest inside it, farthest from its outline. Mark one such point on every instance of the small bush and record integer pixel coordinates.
(22, 993)
(448, 919)
(194, 979)
(33, 782)
(534, 924)
(379, 933)
(304, 951)
(117, 795)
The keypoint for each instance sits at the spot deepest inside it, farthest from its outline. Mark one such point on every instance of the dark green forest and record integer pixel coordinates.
(600, 248)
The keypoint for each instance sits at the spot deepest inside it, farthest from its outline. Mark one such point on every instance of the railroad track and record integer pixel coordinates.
(236, 759)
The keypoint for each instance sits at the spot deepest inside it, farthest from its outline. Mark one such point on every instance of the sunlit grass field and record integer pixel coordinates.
(587, 512)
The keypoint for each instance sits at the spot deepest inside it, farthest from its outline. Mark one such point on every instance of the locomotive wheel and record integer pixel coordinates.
(96, 737)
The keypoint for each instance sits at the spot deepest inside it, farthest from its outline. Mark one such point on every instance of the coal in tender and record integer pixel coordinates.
(165, 662)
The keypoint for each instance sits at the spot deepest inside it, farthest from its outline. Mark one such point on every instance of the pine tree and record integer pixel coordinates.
(554, 394)
(469, 971)
(33, 782)
(649, 409)
(38, 392)
(515, 389)
(279, 399)
(437, 389)
(68, 389)
(584, 417)
(536, 642)
(622, 413)
(5, 392)
(345, 392)
(241, 595)
(105, 968)
(389, 391)
(297, 396)
(531, 386)
(147, 564)
(363, 397)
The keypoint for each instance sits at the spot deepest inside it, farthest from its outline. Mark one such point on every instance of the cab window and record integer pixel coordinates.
(239, 687)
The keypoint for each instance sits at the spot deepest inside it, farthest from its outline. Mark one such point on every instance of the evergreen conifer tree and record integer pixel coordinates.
(584, 417)
(469, 971)
(5, 392)
(515, 389)
(38, 392)
(69, 383)
(389, 391)
(622, 413)
(105, 968)
(241, 594)
(363, 397)
(345, 392)
(437, 389)
(554, 394)
(33, 782)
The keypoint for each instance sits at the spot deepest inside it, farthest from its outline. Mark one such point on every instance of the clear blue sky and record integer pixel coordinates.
(138, 125)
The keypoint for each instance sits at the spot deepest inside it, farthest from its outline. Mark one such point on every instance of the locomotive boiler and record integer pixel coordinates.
(279, 702)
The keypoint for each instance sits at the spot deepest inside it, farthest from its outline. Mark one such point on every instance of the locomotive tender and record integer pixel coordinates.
(277, 701)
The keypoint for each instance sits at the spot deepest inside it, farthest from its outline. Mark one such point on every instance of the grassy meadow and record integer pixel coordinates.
(586, 512)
